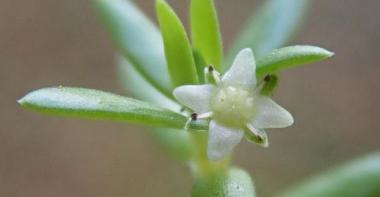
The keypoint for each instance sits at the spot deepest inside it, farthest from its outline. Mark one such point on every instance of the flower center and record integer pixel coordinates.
(233, 106)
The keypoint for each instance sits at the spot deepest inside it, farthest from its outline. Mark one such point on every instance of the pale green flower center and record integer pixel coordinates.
(233, 106)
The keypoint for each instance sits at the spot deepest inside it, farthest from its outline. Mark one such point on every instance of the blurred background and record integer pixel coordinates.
(50, 42)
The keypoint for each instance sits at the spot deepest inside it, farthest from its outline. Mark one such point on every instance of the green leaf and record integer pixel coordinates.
(178, 51)
(140, 88)
(235, 183)
(200, 63)
(175, 142)
(270, 28)
(289, 57)
(138, 40)
(206, 35)
(97, 104)
(355, 179)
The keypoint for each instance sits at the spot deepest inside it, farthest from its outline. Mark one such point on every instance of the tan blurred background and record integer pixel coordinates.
(51, 42)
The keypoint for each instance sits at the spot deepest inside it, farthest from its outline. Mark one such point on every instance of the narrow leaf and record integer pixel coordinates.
(175, 142)
(141, 89)
(355, 179)
(270, 28)
(200, 63)
(178, 51)
(206, 35)
(138, 40)
(235, 183)
(289, 57)
(97, 104)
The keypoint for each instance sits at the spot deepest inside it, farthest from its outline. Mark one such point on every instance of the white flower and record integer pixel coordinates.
(235, 106)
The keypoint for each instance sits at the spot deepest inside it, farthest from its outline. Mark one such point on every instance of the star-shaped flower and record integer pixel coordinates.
(235, 107)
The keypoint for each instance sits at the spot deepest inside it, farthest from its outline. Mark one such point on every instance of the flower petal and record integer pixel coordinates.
(196, 97)
(271, 115)
(243, 70)
(222, 140)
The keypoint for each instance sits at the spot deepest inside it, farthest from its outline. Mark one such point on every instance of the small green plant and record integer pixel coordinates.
(199, 102)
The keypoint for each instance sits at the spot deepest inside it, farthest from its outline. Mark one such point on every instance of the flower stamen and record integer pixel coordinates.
(212, 72)
(268, 78)
(205, 115)
(261, 84)
(256, 132)
(195, 116)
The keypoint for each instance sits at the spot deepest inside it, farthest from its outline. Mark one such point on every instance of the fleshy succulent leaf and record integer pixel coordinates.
(178, 50)
(200, 63)
(175, 142)
(269, 28)
(88, 103)
(360, 177)
(290, 57)
(138, 40)
(206, 35)
(140, 88)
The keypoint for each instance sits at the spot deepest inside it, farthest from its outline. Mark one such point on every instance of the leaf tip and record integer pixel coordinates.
(160, 3)
(327, 53)
(28, 101)
(25, 100)
(161, 9)
(322, 52)
(21, 101)
(330, 54)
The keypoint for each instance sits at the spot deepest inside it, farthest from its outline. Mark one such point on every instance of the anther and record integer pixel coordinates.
(259, 138)
(194, 116)
(211, 74)
(267, 78)
(211, 68)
